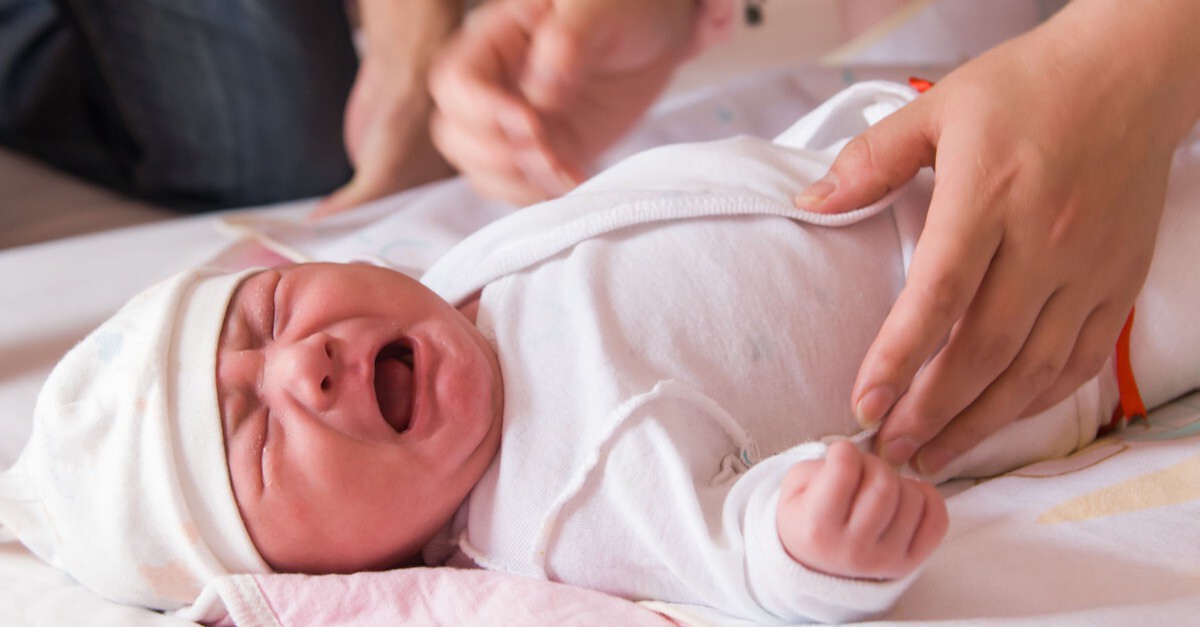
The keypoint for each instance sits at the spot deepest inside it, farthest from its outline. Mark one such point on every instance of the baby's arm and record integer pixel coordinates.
(851, 515)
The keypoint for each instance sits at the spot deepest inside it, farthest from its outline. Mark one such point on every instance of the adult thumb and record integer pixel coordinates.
(880, 159)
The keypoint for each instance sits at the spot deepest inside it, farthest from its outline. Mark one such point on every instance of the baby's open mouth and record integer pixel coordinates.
(394, 385)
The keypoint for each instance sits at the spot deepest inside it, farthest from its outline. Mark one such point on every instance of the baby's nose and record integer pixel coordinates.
(304, 370)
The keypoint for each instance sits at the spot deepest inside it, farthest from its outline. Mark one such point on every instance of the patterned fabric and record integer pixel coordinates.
(123, 483)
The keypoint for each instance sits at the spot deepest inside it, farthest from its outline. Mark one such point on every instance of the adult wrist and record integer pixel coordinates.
(401, 29)
(1151, 52)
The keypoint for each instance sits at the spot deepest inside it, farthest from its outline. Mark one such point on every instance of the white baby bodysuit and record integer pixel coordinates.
(671, 335)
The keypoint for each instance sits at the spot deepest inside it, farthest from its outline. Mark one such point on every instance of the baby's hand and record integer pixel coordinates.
(852, 515)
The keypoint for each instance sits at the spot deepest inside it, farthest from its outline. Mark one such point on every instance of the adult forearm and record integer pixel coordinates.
(1147, 46)
(408, 32)
(386, 121)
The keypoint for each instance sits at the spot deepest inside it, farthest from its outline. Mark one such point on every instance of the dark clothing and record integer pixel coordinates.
(195, 104)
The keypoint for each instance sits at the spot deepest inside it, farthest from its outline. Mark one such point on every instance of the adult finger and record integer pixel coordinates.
(473, 151)
(389, 161)
(579, 40)
(344, 198)
(494, 165)
(474, 83)
(1092, 350)
(949, 263)
(1034, 370)
(483, 117)
(485, 107)
(516, 192)
(880, 159)
(558, 51)
(510, 142)
(373, 178)
(983, 345)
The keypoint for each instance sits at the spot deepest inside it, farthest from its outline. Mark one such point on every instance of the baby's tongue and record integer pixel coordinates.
(393, 388)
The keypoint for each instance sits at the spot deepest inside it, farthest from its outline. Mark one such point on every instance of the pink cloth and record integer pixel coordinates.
(420, 596)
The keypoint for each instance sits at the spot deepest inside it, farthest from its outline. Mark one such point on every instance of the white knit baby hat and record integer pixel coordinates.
(123, 483)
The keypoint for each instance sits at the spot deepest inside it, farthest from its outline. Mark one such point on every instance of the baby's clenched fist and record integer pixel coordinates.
(851, 515)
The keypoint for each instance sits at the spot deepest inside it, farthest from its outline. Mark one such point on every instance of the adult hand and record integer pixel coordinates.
(1051, 155)
(851, 515)
(386, 124)
(532, 91)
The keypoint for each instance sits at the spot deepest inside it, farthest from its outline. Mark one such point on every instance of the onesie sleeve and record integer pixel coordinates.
(655, 498)
(780, 585)
(670, 512)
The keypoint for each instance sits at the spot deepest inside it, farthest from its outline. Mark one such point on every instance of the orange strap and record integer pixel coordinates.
(919, 84)
(1131, 407)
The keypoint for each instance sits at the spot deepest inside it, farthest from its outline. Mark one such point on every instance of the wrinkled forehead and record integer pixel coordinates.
(248, 290)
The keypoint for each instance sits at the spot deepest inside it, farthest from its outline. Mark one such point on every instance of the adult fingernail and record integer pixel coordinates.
(897, 452)
(817, 192)
(873, 405)
(933, 459)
